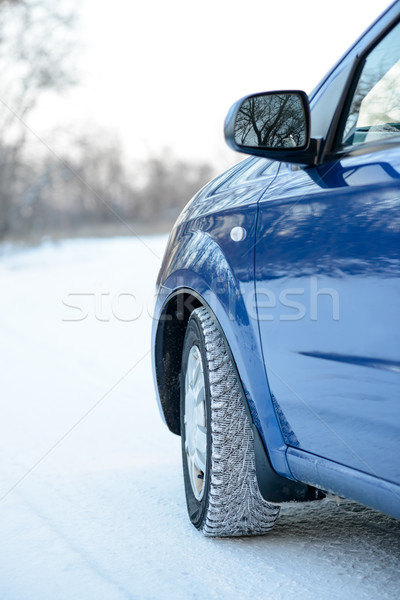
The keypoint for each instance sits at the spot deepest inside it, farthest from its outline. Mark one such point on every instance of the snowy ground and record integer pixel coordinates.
(92, 502)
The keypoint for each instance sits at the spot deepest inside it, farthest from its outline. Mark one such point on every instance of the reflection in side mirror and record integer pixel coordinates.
(272, 121)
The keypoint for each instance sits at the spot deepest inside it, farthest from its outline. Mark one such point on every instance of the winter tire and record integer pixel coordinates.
(222, 493)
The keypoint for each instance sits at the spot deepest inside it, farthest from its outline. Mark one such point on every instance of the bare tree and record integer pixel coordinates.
(168, 184)
(92, 185)
(272, 121)
(36, 42)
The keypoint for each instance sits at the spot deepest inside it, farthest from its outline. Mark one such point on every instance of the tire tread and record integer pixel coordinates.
(235, 505)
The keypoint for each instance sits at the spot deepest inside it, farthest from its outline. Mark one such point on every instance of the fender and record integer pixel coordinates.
(218, 286)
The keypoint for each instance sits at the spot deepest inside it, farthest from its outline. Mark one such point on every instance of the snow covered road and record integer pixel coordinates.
(92, 502)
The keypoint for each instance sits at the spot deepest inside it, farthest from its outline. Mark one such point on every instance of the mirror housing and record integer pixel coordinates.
(275, 125)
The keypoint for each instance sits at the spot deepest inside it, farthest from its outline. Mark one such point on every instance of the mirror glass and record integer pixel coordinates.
(273, 120)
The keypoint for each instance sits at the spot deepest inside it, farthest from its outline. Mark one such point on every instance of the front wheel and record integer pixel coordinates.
(222, 493)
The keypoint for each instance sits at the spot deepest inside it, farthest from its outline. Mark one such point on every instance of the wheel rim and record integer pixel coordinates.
(195, 422)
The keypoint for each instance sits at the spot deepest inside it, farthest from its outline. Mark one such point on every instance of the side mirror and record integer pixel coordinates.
(273, 124)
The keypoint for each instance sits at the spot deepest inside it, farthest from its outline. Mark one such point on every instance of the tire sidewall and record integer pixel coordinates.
(194, 337)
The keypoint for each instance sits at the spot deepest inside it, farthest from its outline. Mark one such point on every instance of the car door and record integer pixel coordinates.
(328, 283)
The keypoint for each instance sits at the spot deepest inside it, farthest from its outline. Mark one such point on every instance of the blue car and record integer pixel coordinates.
(276, 346)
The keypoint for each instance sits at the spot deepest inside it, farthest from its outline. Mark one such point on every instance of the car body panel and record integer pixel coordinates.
(328, 253)
(345, 482)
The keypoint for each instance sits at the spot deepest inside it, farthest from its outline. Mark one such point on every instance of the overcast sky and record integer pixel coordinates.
(163, 73)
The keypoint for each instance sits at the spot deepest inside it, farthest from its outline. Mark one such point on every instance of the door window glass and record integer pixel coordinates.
(374, 112)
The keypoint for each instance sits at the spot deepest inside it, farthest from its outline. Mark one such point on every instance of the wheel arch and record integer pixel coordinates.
(169, 339)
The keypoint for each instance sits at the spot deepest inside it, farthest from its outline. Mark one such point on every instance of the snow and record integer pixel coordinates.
(92, 502)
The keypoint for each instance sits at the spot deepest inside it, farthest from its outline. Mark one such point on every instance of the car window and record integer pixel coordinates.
(374, 111)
